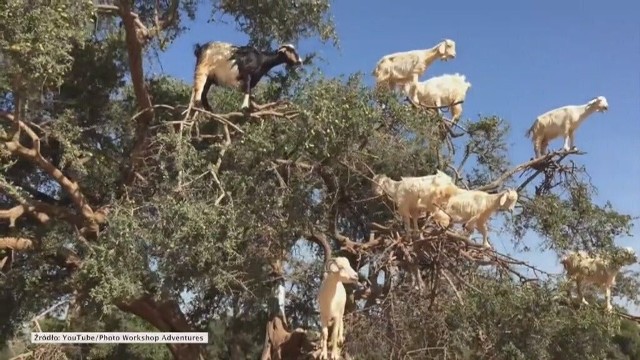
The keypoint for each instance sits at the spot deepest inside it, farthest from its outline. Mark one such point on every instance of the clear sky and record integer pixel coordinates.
(522, 58)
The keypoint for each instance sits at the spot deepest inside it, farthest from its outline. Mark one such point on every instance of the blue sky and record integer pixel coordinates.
(522, 59)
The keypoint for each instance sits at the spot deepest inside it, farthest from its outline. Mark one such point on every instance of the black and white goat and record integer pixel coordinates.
(239, 67)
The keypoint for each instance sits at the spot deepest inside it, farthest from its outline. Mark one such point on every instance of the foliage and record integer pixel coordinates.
(36, 52)
(501, 320)
(279, 20)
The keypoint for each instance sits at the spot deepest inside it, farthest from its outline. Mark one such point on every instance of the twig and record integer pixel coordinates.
(453, 287)
(14, 243)
(540, 170)
(157, 106)
(222, 118)
(50, 309)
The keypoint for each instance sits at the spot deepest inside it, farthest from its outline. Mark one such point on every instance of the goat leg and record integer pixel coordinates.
(335, 353)
(482, 227)
(469, 226)
(414, 221)
(247, 92)
(579, 290)
(572, 141)
(407, 224)
(607, 294)
(341, 334)
(323, 341)
(567, 141)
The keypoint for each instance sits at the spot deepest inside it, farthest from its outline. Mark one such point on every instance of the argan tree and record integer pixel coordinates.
(136, 217)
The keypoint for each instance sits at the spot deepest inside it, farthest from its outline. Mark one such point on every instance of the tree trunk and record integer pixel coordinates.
(166, 317)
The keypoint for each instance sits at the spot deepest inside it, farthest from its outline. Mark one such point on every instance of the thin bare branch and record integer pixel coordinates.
(527, 165)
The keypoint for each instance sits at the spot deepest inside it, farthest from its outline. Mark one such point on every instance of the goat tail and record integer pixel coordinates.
(197, 50)
(529, 133)
(378, 70)
(375, 72)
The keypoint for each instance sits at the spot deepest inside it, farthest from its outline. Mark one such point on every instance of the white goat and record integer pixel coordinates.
(332, 298)
(443, 90)
(404, 68)
(473, 208)
(563, 121)
(415, 194)
(600, 270)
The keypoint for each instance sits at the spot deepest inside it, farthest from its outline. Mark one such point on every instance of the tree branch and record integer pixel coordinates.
(14, 243)
(534, 163)
(143, 99)
(137, 36)
(142, 33)
(86, 219)
(165, 316)
(167, 19)
(34, 156)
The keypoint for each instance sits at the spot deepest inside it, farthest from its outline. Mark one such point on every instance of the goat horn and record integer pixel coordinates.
(327, 267)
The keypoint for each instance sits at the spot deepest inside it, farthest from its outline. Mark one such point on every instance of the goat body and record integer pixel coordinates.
(598, 270)
(238, 67)
(563, 121)
(415, 194)
(332, 299)
(404, 68)
(474, 208)
(444, 90)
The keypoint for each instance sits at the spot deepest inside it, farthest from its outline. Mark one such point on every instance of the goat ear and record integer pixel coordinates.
(332, 266)
(503, 198)
(442, 48)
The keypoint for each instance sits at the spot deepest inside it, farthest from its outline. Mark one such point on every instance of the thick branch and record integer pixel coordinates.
(13, 243)
(43, 212)
(142, 33)
(160, 24)
(34, 156)
(12, 214)
(167, 317)
(134, 49)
